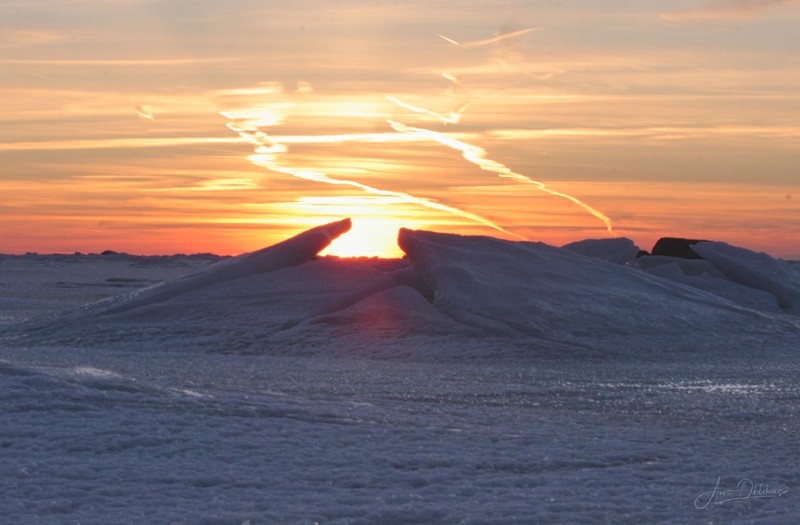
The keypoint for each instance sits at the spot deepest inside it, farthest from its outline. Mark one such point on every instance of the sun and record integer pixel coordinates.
(368, 238)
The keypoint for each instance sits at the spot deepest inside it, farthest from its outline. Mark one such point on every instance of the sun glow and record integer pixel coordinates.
(369, 237)
(271, 152)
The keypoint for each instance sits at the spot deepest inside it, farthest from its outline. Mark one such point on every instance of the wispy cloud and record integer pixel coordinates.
(122, 62)
(124, 143)
(726, 10)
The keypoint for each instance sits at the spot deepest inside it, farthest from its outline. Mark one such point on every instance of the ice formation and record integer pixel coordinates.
(592, 294)
(291, 252)
(537, 290)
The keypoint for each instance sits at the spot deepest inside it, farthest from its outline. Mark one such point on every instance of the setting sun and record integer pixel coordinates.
(368, 238)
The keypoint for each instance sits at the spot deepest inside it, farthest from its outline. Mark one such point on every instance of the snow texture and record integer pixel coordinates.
(477, 381)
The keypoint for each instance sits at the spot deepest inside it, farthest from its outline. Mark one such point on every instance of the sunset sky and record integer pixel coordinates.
(164, 126)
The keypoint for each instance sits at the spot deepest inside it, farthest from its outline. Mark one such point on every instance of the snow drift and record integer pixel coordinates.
(451, 293)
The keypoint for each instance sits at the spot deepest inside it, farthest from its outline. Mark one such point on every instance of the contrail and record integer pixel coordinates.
(470, 46)
(451, 118)
(477, 156)
(488, 41)
(144, 112)
(452, 78)
(267, 149)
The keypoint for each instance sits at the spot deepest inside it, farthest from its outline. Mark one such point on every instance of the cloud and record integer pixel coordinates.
(726, 10)
(11, 38)
(114, 143)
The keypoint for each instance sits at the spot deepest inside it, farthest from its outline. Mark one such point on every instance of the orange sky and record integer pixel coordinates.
(188, 126)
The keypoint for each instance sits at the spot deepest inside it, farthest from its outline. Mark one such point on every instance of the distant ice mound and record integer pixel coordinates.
(619, 250)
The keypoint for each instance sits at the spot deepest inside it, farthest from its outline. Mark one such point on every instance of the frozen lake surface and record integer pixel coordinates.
(397, 391)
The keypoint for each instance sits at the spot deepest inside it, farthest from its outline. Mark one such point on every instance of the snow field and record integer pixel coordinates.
(479, 381)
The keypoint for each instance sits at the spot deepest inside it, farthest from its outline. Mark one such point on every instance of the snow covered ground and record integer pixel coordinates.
(478, 381)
